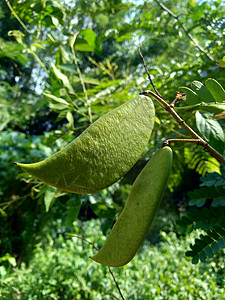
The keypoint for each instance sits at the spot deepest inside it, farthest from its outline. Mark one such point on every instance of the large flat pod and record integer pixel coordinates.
(103, 153)
(134, 222)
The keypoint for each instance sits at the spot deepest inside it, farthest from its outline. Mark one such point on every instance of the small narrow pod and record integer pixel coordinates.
(134, 222)
(103, 153)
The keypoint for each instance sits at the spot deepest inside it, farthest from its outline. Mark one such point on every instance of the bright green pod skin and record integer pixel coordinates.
(133, 224)
(103, 153)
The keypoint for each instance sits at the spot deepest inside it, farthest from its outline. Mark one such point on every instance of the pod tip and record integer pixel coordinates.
(18, 164)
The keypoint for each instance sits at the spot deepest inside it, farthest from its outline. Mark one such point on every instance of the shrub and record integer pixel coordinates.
(63, 270)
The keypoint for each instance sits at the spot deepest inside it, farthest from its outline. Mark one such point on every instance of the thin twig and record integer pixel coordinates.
(200, 48)
(179, 96)
(114, 297)
(195, 141)
(146, 69)
(118, 288)
(111, 272)
(83, 239)
(183, 124)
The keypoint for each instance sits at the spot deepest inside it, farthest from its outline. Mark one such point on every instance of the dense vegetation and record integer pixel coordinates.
(63, 65)
(61, 270)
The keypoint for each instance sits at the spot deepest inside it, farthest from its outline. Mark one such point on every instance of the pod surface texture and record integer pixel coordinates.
(134, 222)
(103, 153)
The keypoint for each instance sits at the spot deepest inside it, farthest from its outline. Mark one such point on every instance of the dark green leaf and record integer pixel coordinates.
(192, 97)
(106, 225)
(208, 252)
(215, 247)
(210, 130)
(73, 209)
(214, 108)
(221, 243)
(192, 202)
(195, 259)
(202, 256)
(215, 89)
(202, 91)
(49, 198)
(201, 202)
(103, 210)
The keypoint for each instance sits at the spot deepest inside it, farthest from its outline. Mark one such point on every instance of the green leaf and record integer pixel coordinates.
(18, 35)
(201, 202)
(106, 225)
(217, 202)
(215, 247)
(89, 36)
(73, 209)
(214, 107)
(87, 80)
(82, 45)
(213, 234)
(202, 256)
(202, 91)
(210, 130)
(49, 198)
(103, 210)
(208, 252)
(58, 106)
(215, 89)
(63, 78)
(221, 62)
(57, 99)
(206, 193)
(70, 119)
(68, 67)
(213, 179)
(192, 97)
(221, 243)
(195, 259)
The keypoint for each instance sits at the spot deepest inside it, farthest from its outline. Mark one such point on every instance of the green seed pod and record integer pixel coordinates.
(103, 153)
(134, 222)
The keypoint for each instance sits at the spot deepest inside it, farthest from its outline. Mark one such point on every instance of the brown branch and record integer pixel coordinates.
(200, 48)
(146, 69)
(83, 239)
(111, 272)
(183, 124)
(114, 297)
(167, 142)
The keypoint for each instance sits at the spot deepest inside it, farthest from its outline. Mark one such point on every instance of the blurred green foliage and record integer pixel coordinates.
(62, 270)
